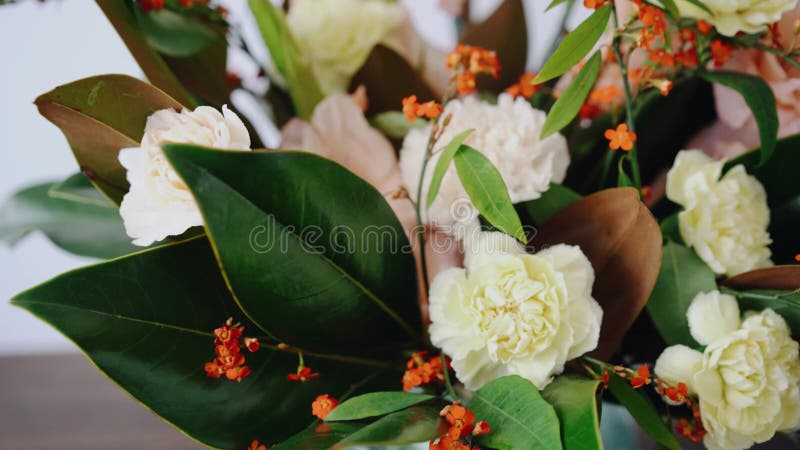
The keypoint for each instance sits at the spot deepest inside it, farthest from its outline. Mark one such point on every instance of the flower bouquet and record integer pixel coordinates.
(442, 248)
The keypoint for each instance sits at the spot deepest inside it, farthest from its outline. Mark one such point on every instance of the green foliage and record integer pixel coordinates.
(175, 34)
(375, 404)
(569, 104)
(520, 418)
(556, 198)
(575, 403)
(443, 163)
(488, 191)
(329, 273)
(409, 426)
(576, 45)
(642, 411)
(785, 303)
(683, 275)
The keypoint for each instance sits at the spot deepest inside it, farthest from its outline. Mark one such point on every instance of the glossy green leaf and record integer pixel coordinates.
(175, 34)
(785, 303)
(146, 320)
(683, 275)
(99, 116)
(314, 255)
(575, 45)
(761, 100)
(555, 3)
(643, 411)
(302, 84)
(409, 426)
(670, 229)
(779, 174)
(375, 404)
(569, 104)
(78, 188)
(520, 418)
(488, 191)
(623, 179)
(556, 198)
(394, 124)
(80, 225)
(575, 402)
(443, 163)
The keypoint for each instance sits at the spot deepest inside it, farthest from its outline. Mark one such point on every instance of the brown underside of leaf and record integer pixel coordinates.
(783, 278)
(384, 67)
(506, 33)
(622, 240)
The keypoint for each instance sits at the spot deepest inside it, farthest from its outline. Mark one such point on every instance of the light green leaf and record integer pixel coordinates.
(785, 303)
(575, 45)
(683, 275)
(556, 198)
(575, 402)
(175, 34)
(670, 229)
(569, 104)
(375, 404)
(488, 191)
(409, 426)
(78, 188)
(555, 3)
(520, 418)
(443, 163)
(394, 124)
(146, 320)
(761, 100)
(642, 411)
(700, 5)
(328, 274)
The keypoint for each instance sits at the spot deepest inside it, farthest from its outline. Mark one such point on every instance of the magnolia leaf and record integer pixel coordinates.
(78, 188)
(761, 100)
(505, 32)
(99, 116)
(175, 34)
(555, 3)
(443, 163)
(782, 278)
(409, 426)
(569, 104)
(146, 320)
(575, 403)
(575, 45)
(626, 260)
(520, 418)
(643, 411)
(488, 191)
(785, 303)
(288, 259)
(683, 275)
(375, 404)
(553, 200)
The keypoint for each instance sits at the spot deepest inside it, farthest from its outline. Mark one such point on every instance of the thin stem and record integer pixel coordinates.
(448, 384)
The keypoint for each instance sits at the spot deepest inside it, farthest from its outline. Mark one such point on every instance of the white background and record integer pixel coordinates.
(44, 45)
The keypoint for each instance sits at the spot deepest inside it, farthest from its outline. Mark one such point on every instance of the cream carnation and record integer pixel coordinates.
(747, 379)
(158, 203)
(507, 134)
(733, 16)
(724, 219)
(510, 312)
(336, 36)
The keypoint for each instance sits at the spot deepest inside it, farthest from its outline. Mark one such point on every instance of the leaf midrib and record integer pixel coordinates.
(514, 419)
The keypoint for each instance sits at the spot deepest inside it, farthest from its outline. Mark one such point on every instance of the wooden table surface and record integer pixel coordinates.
(63, 402)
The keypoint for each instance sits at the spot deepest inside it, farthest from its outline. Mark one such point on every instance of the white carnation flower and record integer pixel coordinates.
(158, 203)
(733, 16)
(510, 312)
(337, 36)
(747, 379)
(507, 134)
(724, 219)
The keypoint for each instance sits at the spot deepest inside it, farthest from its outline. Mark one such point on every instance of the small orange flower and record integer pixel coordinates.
(687, 35)
(692, 430)
(662, 57)
(620, 138)
(687, 58)
(303, 374)
(525, 87)
(323, 405)
(237, 373)
(227, 348)
(678, 393)
(466, 61)
(720, 52)
(797, 257)
(461, 420)
(605, 94)
(654, 18)
(465, 83)
(422, 371)
(446, 443)
(664, 86)
(642, 377)
(594, 4)
(412, 109)
(704, 27)
(255, 445)
(588, 111)
(252, 344)
(481, 428)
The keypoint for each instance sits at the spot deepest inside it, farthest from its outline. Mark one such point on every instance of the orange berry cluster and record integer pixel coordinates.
(412, 109)
(467, 61)
(524, 87)
(462, 428)
(229, 360)
(323, 405)
(620, 138)
(421, 370)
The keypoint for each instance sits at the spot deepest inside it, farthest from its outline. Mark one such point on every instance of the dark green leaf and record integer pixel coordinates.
(174, 34)
(683, 275)
(520, 418)
(761, 100)
(553, 200)
(99, 116)
(670, 229)
(314, 254)
(146, 320)
(779, 174)
(575, 402)
(409, 426)
(443, 163)
(80, 225)
(785, 303)
(642, 411)
(567, 106)
(576, 45)
(488, 191)
(375, 404)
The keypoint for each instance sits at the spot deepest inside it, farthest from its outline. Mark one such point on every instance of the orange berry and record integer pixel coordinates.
(323, 405)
